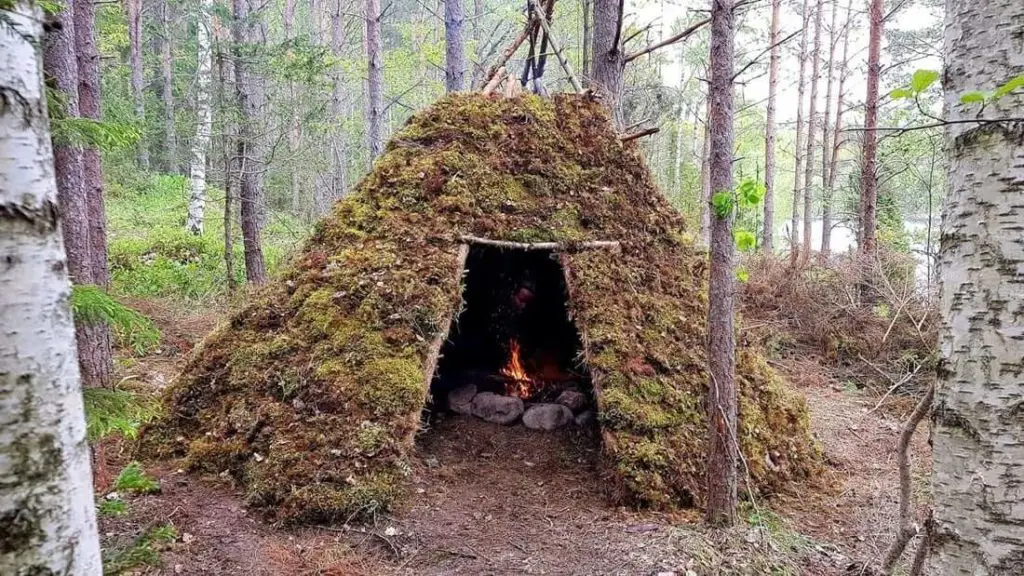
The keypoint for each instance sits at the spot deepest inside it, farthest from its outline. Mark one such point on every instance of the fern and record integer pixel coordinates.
(91, 304)
(109, 411)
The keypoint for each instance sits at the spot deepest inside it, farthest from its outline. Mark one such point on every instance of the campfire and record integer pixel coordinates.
(520, 384)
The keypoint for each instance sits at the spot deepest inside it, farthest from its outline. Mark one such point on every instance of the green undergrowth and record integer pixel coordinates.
(311, 394)
(151, 253)
(133, 479)
(144, 550)
(91, 304)
(115, 411)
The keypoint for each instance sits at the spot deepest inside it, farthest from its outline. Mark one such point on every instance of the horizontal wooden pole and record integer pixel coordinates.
(541, 245)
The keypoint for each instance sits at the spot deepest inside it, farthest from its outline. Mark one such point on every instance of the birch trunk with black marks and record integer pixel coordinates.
(798, 151)
(166, 49)
(768, 232)
(134, 11)
(978, 434)
(95, 343)
(249, 150)
(812, 132)
(723, 451)
(47, 515)
(869, 148)
(204, 119)
(374, 80)
(454, 50)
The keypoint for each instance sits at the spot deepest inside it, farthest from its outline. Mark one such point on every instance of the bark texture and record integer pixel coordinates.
(609, 60)
(812, 132)
(248, 90)
(869, 148)
(798, 149)
(294, 128)
(339, 148)
(834, 145)
(204, 119)
(47, 516)
(768, 233)
(978, 434)
(704, 237)
(374, 80)
(721, 405)
(134, 11)
(454, 49)
(826, 125)
(170, 145)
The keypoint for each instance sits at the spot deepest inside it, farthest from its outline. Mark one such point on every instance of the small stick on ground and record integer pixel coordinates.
(907, 527)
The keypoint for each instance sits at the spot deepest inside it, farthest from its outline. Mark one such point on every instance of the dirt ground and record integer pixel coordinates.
(491, 500)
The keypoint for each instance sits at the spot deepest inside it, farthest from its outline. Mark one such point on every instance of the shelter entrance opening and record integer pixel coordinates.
(514, 353)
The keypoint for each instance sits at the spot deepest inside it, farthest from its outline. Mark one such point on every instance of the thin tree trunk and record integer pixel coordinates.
(812, 132)
(769, 133)
(586, 47)
(705, 179)
(61, 68)
(723, 450)
(47, 513)
(798, 151)
(95, 344)
(479, 67)
(228, 146)
(455, 53)
(868, 181)
(830, 186)
(170, 151)
(826, 142)
(374, 80)
(249, 150)
(204, 119)
(294, 129)
(609, 60)
(339, 147)
(978, 425)
(134, 10)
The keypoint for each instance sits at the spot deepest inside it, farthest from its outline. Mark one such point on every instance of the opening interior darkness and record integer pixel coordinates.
(514, 336)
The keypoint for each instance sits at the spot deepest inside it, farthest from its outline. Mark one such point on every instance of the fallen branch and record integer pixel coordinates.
(554, 46)
(640, 134)
(907, 527)
(558, 246)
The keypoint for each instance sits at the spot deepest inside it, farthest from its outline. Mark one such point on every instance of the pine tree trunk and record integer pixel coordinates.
(826, 130)
(95, 344)
(723, 451)
(978, 434)
(798, 151)
(339, 148)
(170, 151)
(204, 119)
(228, 146)
(812, 132)
(768, 234)
(374, 80)
(455, 54)
(249, 149)
(61, 67)
(47, 515)
(609, 60)
(134, 10)
(833, 146)
(869, 172)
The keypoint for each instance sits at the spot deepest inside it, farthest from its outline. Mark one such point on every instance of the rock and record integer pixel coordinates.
(460, 400)
(547, 416)
(585, 418)
(572, 399)
(497, 409)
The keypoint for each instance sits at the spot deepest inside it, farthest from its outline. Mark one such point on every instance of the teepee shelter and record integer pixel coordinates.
(312, 394)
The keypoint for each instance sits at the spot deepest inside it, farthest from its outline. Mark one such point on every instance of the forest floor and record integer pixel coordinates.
(494, 500)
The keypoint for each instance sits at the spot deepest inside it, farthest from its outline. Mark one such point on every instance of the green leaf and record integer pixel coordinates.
(722, 204)
(1011, 85)
(745, 239)
(750, 193)
(742, 274)
(922, 79)
(901, 93)
(972, 97)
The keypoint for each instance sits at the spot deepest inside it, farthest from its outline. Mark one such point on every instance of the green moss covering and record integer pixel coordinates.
(311, 394)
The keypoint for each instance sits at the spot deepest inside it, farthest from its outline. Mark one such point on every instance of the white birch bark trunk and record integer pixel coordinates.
(978, 435)
(47, 515)
(204, 120)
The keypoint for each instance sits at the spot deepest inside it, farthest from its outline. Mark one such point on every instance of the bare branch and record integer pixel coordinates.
(763, 52)
(640, 134)
(670, 40)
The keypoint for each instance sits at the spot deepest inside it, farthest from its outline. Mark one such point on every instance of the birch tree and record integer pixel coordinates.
(978, 481)
(47, 515)
(204, 119)
(723, 451)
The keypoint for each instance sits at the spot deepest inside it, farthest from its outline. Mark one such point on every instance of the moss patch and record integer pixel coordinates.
(311, 395)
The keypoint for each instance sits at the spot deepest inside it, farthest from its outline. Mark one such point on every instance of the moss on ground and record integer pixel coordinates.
(311, 395)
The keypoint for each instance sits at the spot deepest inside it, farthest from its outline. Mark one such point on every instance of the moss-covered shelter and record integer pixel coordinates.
(311, 395)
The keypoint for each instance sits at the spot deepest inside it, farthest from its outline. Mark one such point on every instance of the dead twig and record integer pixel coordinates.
(540, 245)
(640, 134)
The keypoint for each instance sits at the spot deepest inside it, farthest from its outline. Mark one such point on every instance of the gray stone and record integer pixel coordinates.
(460, 400)
(498, 409)
(547, 416)
(585, 418)
(572, 399)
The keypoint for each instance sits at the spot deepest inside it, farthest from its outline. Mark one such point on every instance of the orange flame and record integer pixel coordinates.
(520, 386)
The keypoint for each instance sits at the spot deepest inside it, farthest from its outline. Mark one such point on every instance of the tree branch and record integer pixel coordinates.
(763, 52)
(670, 40)
(645, 132)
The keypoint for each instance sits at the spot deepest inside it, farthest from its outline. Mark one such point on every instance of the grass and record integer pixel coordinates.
(133, 479)
(112, 507)
(114, 411)
(143, 551)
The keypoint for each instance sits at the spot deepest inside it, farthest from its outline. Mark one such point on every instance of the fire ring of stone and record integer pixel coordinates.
(547, 416)
(497, 409)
